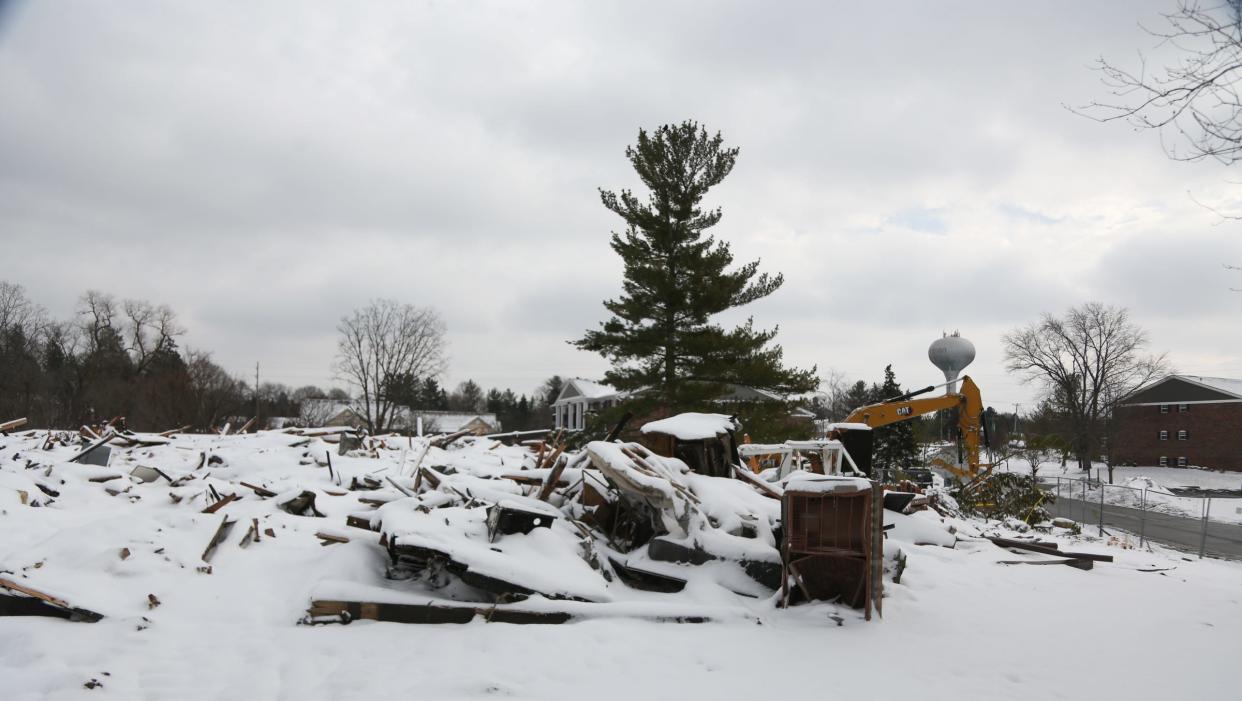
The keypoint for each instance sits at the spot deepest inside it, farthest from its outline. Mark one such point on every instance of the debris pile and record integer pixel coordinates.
(111, 523)
(1003, 495)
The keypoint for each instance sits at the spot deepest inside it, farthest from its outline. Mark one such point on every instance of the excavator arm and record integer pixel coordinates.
(969, 419)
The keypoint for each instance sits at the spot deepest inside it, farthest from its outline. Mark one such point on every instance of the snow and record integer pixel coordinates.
(593, 390)
(810, 482)
(848, 426)
(963, 625)
(693, 426)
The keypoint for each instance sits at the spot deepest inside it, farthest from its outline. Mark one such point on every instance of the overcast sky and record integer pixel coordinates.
(266, 167)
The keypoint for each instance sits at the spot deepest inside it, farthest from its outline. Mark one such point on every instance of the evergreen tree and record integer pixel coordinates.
(893, 446)
(677, 278)
(433, 396)
(858, 395)
(403, 389)
(467, 397)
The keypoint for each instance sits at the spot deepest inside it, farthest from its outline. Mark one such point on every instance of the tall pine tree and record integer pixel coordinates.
(661, 336)
(893, 446)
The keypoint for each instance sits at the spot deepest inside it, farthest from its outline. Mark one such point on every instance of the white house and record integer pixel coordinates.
(579, 396)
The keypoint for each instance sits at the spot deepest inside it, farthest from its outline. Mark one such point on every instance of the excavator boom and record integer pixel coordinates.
(969, 418)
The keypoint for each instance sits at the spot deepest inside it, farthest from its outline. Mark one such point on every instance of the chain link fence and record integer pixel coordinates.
(1179, 521)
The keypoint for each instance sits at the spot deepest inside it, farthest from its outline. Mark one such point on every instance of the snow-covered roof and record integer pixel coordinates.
(577, 387)
(693, 426)
(449, 422)
(1220, 384)
(1225, 385)
(594, 390)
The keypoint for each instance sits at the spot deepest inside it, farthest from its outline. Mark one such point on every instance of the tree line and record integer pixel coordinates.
(123, 358)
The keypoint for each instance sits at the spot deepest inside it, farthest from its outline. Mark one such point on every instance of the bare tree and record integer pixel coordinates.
(17, 311)
(1086, 361)
(98, 311)
(381, 341)
(1193, 101)
(216, 395)
(149, 329)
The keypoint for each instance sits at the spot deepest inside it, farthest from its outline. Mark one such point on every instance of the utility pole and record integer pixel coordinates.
(256, 390)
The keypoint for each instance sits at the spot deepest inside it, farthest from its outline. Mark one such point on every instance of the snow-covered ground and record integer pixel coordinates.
(1151, 625)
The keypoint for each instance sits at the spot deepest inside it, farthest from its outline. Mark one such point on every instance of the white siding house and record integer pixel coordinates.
(578, 397)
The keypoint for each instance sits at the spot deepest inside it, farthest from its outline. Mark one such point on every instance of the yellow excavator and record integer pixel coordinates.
(970, 422)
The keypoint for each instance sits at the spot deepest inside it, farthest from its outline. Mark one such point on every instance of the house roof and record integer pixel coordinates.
(1220, 384)
(403, 416)
(578, 387)
(1181, 388)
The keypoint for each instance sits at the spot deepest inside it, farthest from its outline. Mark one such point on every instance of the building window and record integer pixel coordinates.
(1181, 462)
(1164, 408)
(1183, 435)
(1164, 462)
(1164, 435)
(1182, 408)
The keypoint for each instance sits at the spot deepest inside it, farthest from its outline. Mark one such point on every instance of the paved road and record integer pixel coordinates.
(1179, 532)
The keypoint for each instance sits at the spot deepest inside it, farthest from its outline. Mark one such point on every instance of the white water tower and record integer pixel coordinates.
(951, 354)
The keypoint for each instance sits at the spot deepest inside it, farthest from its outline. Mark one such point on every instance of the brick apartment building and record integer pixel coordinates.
(1182, 420)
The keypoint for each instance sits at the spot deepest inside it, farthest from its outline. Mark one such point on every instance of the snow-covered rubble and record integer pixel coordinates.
(115, 541)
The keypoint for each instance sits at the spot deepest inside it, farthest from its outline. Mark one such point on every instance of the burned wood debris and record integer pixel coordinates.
(457, 527)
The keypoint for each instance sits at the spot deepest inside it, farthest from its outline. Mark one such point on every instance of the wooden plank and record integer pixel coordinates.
(1076, 563)
(220, 504)
(222, 532)
(1046, 550)
(401, 489)
(37, 603)
(555, 475)
(14, 586)
(12, 424)
(749, 478)
(261, 491)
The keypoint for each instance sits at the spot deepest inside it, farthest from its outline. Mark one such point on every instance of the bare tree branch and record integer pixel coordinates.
(1194, 101)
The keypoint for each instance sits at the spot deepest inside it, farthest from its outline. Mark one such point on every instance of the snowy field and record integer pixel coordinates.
(1156, 480)
(1150, 625)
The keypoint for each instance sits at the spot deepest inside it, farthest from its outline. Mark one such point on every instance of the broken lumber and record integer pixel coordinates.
(32, 602)
(1048, 550)
(222, 532)
(555, 475)
(1077, 563)
(750, 478)
(91, 448)
(261, 491)
(220, 504)
(445, 441)
(10, 425)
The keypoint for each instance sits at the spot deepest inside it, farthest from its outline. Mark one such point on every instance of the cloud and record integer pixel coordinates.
(265, 169)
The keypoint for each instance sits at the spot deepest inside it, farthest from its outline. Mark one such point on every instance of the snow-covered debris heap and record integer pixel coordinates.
(442, 528)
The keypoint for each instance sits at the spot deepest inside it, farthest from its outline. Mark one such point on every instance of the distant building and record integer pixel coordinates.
(340, 413)
(1181, 421)
(579, 397)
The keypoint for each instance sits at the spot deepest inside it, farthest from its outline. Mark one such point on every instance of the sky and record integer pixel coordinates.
(911, 168)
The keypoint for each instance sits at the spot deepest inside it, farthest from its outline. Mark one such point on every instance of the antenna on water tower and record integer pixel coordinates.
(951, 353)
